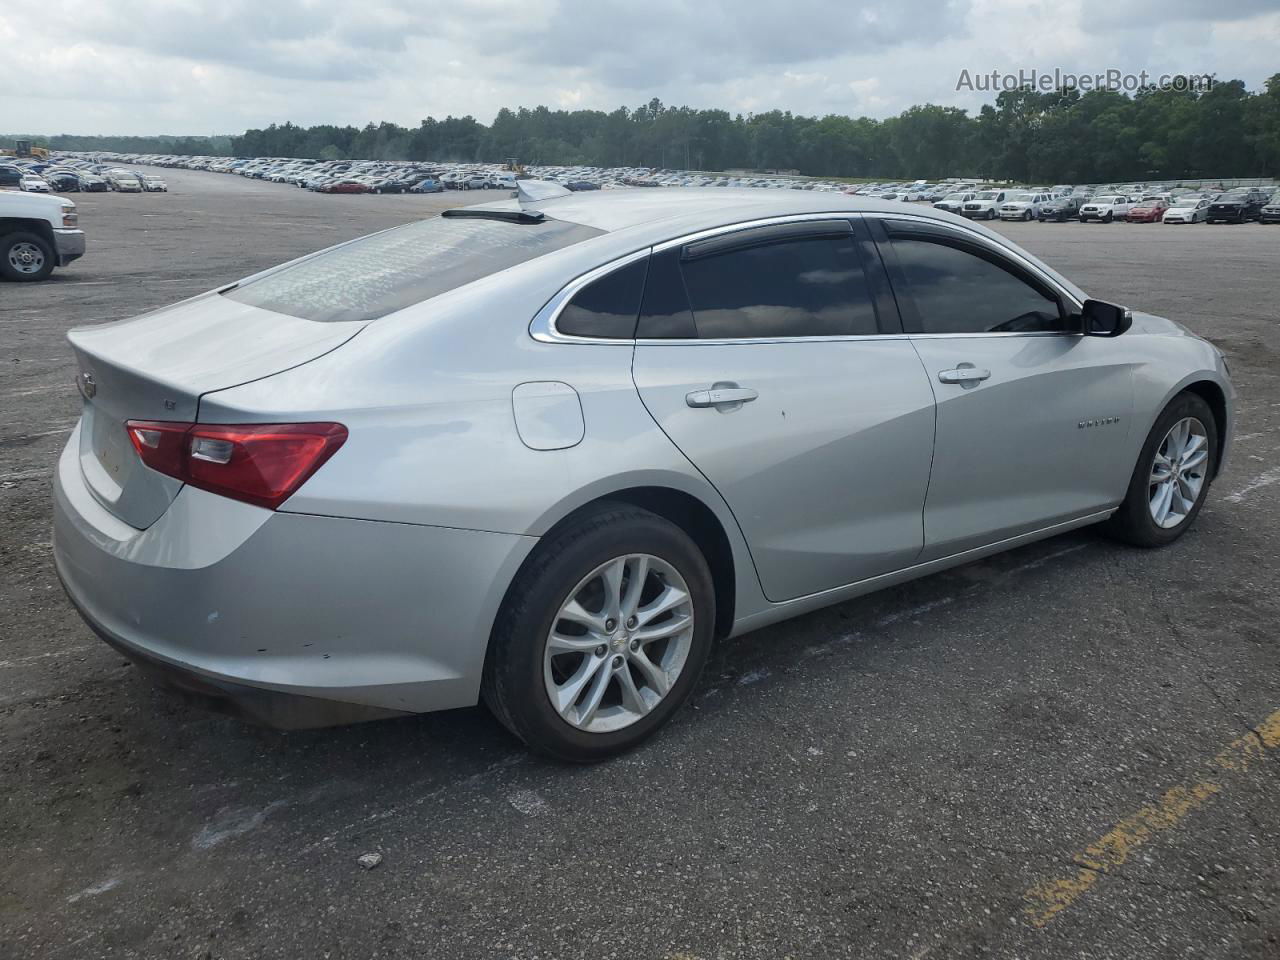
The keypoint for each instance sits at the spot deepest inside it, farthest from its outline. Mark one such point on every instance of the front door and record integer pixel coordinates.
(1033, 418)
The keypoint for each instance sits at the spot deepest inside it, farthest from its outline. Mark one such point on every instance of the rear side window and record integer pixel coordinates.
(803, 287)
(397, 268)
(954, 290)
(797, 286)
(608, 307)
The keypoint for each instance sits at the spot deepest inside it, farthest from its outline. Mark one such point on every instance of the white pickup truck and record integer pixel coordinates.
(37, 233)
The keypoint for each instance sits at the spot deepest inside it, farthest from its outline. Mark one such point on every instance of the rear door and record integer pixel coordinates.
(771, 358)
(1033, 418)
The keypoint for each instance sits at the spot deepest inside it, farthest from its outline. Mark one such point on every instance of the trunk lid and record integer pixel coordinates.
(157, 366)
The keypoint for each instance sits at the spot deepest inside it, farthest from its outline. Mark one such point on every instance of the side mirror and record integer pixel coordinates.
(1102, 319)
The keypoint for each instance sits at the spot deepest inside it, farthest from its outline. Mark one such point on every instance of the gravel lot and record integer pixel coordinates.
(904, 775)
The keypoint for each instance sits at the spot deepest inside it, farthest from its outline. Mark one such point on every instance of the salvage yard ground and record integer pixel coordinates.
(1070, 750)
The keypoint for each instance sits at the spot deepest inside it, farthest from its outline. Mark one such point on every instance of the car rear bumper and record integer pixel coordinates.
(69, 245)
(290, 619)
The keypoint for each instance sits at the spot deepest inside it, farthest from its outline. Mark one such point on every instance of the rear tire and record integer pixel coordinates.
(25, 257)
(522, 669)
(1135, 522)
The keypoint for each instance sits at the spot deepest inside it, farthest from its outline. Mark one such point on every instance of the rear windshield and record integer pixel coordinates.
(397, 268)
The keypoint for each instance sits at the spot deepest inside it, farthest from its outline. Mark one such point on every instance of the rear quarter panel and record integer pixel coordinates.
(426, 396)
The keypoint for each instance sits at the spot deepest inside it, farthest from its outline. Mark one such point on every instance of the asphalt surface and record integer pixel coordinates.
(1030, 756)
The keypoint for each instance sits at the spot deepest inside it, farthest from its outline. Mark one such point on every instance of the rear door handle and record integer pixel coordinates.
(965, 375)
(719, 395)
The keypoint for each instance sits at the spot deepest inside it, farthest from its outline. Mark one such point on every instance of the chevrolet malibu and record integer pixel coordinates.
(545, 452)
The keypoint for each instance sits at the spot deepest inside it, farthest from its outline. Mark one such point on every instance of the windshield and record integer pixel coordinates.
(955, 196)
(389, 271)
(1020, 198)
(1187, 202)
(1235, 195)
(986, 195)
(1105, 199)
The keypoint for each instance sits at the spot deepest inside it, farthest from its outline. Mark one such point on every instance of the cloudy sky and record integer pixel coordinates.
(220, 66)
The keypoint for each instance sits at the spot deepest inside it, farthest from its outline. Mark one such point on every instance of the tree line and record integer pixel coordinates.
(1026, 135)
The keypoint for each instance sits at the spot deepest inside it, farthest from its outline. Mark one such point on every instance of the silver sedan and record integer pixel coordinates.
(546, 451)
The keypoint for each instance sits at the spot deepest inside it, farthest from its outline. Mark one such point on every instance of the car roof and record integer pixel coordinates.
(632, 219)
(702, 208)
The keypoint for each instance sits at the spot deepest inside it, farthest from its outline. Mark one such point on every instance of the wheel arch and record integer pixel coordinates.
(697, 519)
(705, 529)
(28, 224)
(1213, 394)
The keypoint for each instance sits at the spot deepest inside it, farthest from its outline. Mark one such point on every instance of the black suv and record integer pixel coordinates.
(1060, 209)
(1237, 206)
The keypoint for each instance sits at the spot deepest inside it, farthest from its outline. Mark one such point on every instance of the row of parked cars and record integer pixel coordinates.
(387, 176)
(1133, 202)
(1106, 204)
(74, 175)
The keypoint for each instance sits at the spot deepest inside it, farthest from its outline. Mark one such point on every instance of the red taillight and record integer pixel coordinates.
(260, 463)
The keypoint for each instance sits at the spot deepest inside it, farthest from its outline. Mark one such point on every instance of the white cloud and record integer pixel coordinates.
(202, 66)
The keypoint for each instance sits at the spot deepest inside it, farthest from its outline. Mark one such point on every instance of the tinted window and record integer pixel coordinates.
(665, 313)
(389, 271)
(608, 307)
(801, 287)
(955, 291)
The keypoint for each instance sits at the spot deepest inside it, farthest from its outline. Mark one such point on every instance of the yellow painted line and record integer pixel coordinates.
(1048, 899)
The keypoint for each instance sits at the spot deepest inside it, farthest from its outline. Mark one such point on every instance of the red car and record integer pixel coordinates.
(345, 186)
(1148, 211)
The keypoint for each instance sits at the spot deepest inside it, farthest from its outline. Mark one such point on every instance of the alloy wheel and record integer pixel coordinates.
(1178, 472)
(26, 257)
(619, 643)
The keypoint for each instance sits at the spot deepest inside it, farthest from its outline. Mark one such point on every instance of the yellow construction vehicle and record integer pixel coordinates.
(23, 148)
(514, 165)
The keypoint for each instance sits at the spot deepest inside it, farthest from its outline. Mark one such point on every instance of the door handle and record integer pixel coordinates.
(967, 375)
(721, 394)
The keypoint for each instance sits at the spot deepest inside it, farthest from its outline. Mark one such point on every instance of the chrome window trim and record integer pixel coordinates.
(721, 341)
(543, 326)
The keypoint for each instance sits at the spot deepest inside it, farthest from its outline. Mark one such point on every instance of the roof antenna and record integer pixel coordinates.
(534, 191)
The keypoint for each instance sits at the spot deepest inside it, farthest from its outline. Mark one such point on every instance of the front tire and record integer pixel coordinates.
(1172, 477)
(602, 635)
(25, 257)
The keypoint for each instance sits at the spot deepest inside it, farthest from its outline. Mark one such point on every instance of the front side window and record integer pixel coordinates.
(799, 287)
(954, 290)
